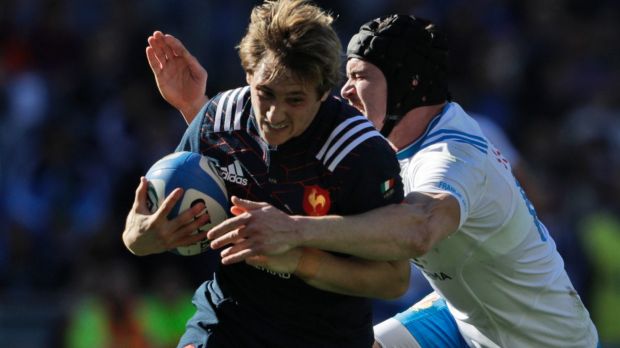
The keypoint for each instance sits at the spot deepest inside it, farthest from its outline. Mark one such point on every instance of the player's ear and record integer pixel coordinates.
(248, 77)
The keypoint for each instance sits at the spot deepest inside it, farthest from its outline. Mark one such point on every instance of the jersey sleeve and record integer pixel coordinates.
(376, 181)
(448, 168)
(191, 138)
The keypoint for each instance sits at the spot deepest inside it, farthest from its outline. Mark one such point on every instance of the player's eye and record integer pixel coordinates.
(264, 95)
(295, 101)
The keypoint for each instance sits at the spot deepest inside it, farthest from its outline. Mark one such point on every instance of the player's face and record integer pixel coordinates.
(284, 107)
(366, 89)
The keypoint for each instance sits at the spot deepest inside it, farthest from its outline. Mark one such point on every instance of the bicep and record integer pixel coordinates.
(440, 213)
(457, 174)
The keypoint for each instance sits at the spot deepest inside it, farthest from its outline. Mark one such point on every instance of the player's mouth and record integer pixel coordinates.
(355, 102)
(276, 127)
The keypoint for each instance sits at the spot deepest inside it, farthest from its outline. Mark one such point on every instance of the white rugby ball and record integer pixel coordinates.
(200, 182)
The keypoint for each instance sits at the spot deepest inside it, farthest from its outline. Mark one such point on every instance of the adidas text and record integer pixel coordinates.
(234, 178)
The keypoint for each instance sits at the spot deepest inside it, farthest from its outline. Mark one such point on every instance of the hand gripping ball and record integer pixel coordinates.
(200, 182)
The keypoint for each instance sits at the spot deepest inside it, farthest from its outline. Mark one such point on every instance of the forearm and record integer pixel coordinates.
(128, 241)
(354, 276)
(381, 234)
(135, 241)
(393, 232)
(132, 243)
(131, 233)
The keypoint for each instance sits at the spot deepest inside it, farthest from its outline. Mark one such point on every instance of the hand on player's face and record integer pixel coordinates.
(257, 229)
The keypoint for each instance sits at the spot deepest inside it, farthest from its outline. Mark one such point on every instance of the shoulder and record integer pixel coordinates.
(457, 134)
(227, 110)
(353, 139)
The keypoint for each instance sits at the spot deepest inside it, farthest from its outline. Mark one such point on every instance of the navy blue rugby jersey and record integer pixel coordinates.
(339, 165)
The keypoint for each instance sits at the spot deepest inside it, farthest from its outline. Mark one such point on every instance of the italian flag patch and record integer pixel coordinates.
(387, 186)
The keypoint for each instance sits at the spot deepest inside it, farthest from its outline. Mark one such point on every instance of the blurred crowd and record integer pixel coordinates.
(81, 119)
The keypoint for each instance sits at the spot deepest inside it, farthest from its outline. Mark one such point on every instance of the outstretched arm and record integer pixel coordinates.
(344, 275)
(355, 276)
(335, 273)
(180, 78)
(393, 232)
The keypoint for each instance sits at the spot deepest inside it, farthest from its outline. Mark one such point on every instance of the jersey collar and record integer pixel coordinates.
(414, 147)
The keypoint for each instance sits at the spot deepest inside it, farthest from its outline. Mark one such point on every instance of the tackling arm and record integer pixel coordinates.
(344, 275)
(392, 232)
(355, 276)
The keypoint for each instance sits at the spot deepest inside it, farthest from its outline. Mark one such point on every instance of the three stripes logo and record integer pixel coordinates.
(234, 173)
(344, 138)
(230, 108)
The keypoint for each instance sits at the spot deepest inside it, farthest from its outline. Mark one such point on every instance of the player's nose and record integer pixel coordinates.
(275, 114)
(347, 90)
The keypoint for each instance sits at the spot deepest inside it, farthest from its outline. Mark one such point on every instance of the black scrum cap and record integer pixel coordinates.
(413, 56)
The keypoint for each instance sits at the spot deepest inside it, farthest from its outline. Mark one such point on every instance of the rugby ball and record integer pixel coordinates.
(200, 181)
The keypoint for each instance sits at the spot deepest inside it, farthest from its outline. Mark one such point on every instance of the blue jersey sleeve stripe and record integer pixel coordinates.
(480, 147)
(454, 132)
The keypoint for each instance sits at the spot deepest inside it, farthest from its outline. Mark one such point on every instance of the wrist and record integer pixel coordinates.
(190, 110)
(309, 263)
(302, 236)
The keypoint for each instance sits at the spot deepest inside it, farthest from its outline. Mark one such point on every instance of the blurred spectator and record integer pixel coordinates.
(105, 315)
(601, 236)
(165, 309)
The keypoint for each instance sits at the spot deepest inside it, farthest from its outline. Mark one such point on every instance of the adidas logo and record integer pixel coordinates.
(234, 174)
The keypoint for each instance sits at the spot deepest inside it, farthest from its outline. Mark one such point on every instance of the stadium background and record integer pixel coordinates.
(81, 120)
